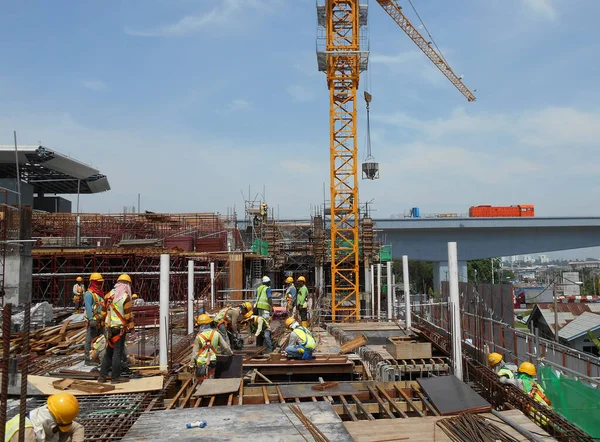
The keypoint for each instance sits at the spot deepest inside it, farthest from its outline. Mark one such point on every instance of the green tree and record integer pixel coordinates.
(480, 270)
(420, 274)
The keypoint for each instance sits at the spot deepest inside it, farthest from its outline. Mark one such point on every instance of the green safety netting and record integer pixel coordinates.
(576, 400)
(260, 247)
(385, 253)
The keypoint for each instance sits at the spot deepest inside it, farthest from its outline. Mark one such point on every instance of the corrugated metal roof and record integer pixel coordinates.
(50, 171)
(580, 325)
(563, 318)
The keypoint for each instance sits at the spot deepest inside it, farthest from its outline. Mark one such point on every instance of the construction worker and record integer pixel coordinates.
(502, 369)
(137, 301)
(262, 332)
(525, 381)
(264, 300)
(204, 353)
(227, 321)
(78, 291)
(54, 421)
(290, 296)
(301, 343)
(93, 302)
(302, 301)
(119, 321)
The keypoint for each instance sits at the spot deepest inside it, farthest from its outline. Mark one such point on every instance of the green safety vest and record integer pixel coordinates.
(308, 340)
(506, 373)
(12, 427)
(262, 300)
(302, 295)
(115, 320)
(222, 315)
(529, 384)
(207, 352)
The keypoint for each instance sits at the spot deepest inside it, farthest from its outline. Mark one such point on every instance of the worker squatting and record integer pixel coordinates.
(221, 333)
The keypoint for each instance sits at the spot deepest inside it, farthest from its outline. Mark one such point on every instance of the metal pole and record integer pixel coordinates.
(190, 296)
(492, 262)
(455, 310)
(528, 434)
(212, 285)
(378, 291)
(78, 233)
(165, 261)
(6, 322)
(18, 173)
(139, 202)
(24, 370)
(389, 290)
(405, 276)
(555, 311)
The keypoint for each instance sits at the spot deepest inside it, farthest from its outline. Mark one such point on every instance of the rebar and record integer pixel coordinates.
(24, 368)
(470, 427)
(6, 321)
(310, 426)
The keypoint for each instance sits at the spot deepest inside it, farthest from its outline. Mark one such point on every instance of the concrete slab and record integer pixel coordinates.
(273, 422)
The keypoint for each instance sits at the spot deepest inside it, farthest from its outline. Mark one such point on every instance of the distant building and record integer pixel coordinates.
(544, 259)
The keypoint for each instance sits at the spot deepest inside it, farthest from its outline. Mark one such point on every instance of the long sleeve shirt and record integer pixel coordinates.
(78, 289)
(221, 343)
(262, 323)
(88, 302)
(294, 339)
(234, 316)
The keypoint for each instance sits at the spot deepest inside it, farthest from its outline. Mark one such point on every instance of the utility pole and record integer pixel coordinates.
(555, 311)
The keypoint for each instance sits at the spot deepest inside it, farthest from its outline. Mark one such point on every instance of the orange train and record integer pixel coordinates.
(501, 211)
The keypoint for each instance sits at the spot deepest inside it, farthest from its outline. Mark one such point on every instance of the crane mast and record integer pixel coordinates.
(342, 60)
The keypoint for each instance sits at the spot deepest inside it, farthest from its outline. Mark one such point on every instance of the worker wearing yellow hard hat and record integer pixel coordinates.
(525, 381)
(301, 342)
(261, 329)
(204, 354)
(93, 302)
(43, 423)
(302, 301)
(78, 291)
(228, 320)
(119, 321)
(502, 369)
(290, 295)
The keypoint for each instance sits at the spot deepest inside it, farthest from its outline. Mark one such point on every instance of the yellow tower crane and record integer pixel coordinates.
(342, 56)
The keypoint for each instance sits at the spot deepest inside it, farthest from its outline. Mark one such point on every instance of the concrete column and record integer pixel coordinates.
(372, 291)
(440, 273)
(190, 296)
(378, 291)
(367, 277)
(405, 279)
(455, 310)
(165, 262)
(390, 293)
(212, 285)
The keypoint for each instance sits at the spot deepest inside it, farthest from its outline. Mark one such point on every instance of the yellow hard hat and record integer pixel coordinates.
(203, 319)
(248, 315)
(96, 277)
(134, 296)
(301, 279)
(247, 306)
(79, 279)
(289, 280)
(64, 408)
(289, 322)
(494, 358)
(527, 368)
(124, 278)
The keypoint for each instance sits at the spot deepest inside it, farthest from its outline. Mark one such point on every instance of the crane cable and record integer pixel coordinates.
(428, 33)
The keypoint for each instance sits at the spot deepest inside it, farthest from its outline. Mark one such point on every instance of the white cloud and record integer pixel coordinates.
(300, 93)
(223, 14)
(95, 85)
(238, 105)
(542, 8)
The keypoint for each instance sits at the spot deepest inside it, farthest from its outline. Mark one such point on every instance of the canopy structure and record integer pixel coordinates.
(49, 171)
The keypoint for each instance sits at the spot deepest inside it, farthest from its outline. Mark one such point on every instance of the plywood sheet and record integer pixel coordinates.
(44, 384)
(451, 396)
(273, 422)
(305, 390)
(210, 387)
(416, 429)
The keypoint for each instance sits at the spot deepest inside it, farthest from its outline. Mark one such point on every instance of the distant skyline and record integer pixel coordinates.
(189, 103)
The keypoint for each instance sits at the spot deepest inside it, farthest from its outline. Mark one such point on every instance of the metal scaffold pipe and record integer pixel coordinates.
(190, 303)
(164, 310)
(455, 310)
(378, 292)
(389, 290)
(406, 283)
(212, 285)
(372, 290)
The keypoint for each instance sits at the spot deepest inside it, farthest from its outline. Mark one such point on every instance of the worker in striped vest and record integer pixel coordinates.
(264, 301)
(93, 301)
(204, 353)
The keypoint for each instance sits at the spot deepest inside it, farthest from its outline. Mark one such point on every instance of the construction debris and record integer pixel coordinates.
(470, 427)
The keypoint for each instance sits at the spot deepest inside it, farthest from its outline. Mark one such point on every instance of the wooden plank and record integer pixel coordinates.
(305, 390)
(241, 394)
(392, 402)
(349, 412)
(265, 395)
(179, 393)
(362, 408)
(353, 344)
(188, 395)
(212, 401)
(407, 348)
(281, 398)
(92, 387)
(409, 401)
(262, 376)
(382, 407)
(44, 384)
(63, 384)
(211, 387)
(426, 402)
(230, 400)
(325, 386)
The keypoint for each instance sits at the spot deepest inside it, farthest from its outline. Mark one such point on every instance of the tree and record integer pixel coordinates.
(420, 274)
(480, 270)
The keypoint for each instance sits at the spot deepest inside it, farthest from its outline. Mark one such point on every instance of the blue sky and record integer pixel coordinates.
(190, 102)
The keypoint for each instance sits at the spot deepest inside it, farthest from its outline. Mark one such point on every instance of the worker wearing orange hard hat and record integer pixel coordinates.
(93, 301)
(290, 295)
(54, 421)
(119, 321)
(302, 301)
